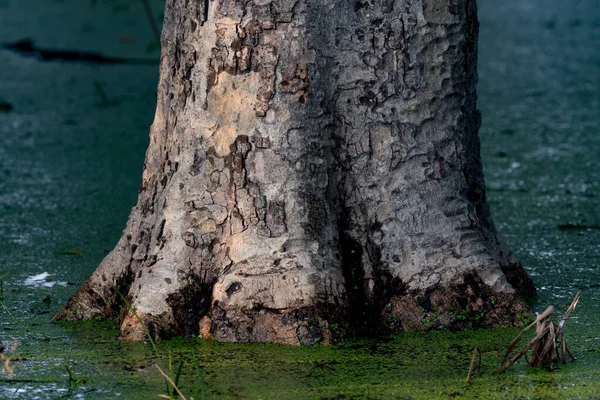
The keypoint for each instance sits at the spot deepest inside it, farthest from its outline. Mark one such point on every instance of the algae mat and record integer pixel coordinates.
(412, 365)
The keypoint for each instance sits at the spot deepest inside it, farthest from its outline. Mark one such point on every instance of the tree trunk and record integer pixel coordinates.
(313, 170)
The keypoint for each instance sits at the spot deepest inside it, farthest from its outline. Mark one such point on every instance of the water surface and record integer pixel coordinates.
(70, 164)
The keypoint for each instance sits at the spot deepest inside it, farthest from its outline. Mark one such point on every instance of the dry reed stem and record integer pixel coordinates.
(544, 351)
(571, 307)
(506, 365)
(516, 340)
(475, 351)
(548, 344)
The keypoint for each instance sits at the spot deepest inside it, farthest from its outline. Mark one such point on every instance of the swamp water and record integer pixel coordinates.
(70, 162)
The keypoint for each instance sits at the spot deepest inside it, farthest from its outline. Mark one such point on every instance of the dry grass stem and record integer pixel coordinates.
(515, 341)
(548, 345)
(168, 378)
(475, 352)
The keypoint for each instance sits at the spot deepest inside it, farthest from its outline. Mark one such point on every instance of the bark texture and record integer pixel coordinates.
(313, 170)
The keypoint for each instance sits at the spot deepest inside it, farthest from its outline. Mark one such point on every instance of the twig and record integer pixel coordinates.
(563, 346)
(569, 352)
(14, 355)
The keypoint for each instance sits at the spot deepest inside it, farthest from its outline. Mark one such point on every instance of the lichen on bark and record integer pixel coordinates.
(311, 165)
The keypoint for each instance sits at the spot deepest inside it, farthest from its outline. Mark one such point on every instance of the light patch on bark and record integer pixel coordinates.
(231, 105)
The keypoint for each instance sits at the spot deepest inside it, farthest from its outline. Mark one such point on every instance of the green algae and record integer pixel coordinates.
(408, 365)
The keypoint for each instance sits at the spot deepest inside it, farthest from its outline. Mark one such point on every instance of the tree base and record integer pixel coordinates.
(471, 304)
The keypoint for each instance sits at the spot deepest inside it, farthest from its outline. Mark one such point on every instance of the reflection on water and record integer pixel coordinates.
(70, 165)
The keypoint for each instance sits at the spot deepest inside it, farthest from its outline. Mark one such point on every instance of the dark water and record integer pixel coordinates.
(70, 164)
(540, 99)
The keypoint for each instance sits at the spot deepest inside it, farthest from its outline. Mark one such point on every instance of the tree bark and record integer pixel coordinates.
(313, 171)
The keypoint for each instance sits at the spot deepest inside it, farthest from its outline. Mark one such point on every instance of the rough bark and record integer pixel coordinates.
(313, 170)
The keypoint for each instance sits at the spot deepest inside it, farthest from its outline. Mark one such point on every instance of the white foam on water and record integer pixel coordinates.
(40, 280)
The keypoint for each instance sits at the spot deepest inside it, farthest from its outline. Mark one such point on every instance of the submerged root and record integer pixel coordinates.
(548, 345)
